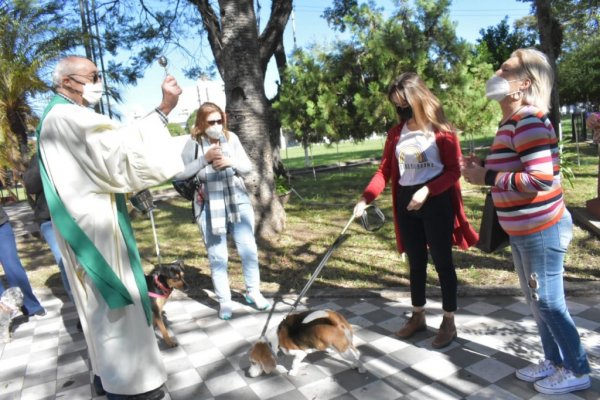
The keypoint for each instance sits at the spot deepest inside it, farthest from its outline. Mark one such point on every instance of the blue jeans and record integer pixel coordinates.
(538, 260)
(245, 243)
(14, 271)
(47, 231)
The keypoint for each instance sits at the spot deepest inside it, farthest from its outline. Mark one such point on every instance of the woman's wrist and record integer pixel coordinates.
(490, 177)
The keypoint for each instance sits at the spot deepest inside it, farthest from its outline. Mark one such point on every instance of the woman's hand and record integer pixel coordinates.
(360, 207)
(473, 172)
(222, 162)
(418, 199)
(213, 153)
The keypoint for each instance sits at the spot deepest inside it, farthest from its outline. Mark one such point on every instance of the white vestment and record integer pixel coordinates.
(89, 158)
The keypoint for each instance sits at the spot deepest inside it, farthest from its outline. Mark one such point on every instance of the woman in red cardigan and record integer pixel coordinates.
(421, 158)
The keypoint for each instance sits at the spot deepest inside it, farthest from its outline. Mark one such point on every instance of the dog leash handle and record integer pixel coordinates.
(151, 213)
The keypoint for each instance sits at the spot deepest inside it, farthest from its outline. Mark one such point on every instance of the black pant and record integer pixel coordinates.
(431, 225)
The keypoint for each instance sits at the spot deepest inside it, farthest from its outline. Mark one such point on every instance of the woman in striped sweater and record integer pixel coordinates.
(523, 171)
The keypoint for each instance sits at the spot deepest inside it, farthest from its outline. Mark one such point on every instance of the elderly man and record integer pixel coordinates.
(87, 163)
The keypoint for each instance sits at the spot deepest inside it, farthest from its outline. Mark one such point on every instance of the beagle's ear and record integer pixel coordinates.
(261, 354)
(268, 364)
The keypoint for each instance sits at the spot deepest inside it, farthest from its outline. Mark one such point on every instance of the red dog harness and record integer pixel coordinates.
(166, 292)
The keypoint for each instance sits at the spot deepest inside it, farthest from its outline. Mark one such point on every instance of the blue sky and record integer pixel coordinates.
(470, 15)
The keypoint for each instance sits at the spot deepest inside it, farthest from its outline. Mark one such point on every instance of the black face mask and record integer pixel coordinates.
(405, 113)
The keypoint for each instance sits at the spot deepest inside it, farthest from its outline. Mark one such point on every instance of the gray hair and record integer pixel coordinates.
(535, 66)
(63, 68)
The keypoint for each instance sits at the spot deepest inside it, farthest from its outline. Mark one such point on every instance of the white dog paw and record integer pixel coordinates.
(361, 370)
(293, 372)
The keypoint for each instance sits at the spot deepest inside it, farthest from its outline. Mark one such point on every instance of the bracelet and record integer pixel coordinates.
(162, 116)
(490, 177)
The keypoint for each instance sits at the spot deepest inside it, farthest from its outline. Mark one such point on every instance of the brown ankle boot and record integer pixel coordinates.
(446, 333)
(415, 324)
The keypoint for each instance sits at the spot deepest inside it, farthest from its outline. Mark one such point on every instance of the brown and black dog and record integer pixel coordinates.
(302, 333)
(160, 285)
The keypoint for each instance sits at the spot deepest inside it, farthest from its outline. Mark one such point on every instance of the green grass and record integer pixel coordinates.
(322, 154)
(365, 260)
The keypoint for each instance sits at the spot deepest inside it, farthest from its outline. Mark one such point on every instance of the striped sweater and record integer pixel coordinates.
(527, 192)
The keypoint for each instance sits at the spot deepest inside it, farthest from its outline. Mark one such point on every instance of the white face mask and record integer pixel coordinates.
(214, 131)
(92, 93)
(497, 88)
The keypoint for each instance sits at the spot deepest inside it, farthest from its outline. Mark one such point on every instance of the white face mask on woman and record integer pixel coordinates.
(497, 88)
(92, 93)
(214, 131)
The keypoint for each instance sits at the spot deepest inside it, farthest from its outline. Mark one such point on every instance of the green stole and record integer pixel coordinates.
(104, 278)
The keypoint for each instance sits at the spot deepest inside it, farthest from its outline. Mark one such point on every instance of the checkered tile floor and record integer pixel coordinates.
(47, 357)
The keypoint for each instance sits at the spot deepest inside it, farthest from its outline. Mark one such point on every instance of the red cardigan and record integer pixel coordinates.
(464, 235)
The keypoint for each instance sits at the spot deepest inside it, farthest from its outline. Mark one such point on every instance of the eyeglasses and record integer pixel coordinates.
(215, 121)
(94, 77)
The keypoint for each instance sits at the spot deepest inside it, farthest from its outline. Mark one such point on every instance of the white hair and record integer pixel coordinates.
(63, 68)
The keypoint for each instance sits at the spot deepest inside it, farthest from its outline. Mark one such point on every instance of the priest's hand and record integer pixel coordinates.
(170, 91)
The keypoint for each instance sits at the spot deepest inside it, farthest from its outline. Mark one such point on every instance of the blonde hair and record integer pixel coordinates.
(534, 65)
(201, 123)
(426, 107)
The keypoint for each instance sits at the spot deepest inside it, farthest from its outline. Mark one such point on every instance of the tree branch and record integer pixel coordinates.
(272, 36)
(210, 20)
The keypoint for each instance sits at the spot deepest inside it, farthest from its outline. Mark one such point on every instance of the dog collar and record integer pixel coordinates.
(166, 292)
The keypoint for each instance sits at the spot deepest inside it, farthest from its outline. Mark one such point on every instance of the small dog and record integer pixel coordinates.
(302, 333)
(160, 285)
(11, 302)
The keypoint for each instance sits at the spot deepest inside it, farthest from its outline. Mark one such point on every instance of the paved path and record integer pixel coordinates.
(47, 357)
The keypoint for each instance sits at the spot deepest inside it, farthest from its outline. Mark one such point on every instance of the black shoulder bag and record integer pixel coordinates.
(187, 187)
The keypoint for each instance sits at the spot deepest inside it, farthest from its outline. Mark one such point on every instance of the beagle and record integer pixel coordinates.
(300, 334)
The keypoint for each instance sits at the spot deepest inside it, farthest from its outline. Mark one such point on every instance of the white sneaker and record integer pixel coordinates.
(225, 310)
(562, 381)
(256, 298)
(534, 372)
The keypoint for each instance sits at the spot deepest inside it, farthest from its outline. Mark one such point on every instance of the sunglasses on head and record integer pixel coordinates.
(215, 121)
(95, 77)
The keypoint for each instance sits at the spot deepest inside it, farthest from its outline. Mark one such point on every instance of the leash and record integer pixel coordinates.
(143, 202)
(338, 241)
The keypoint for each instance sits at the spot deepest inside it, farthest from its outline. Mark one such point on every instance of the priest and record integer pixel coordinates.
(88, 162)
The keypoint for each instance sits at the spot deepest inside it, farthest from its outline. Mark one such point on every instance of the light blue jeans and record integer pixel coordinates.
(47, 230)
(245, 243)
(538, 260)
(14, 271)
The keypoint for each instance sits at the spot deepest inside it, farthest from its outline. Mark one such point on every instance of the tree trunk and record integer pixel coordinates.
(550, 42)
(242, 57)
